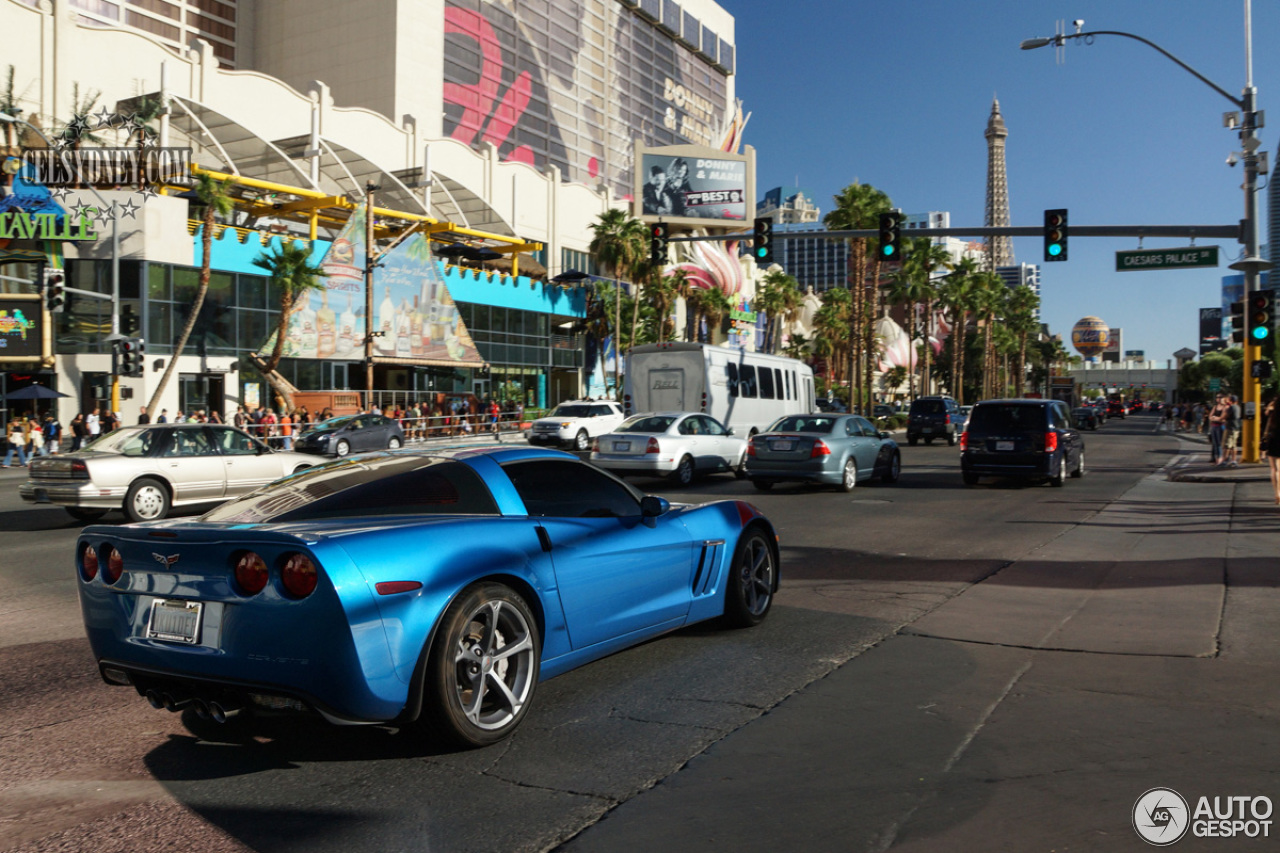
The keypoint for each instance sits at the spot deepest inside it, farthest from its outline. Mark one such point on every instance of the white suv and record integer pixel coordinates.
(575, 424)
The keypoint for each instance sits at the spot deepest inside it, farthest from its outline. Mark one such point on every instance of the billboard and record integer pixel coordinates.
(21, 328)
(1112, 351)
(695, 186)
(1211, 338)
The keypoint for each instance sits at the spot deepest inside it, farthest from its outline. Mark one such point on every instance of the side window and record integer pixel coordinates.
(747, 387)
(711, 426)
(689, 426)
(142, 444)
(731, 371)
(191, 442)
(601, 411)
(234, 443)
(850, 426)
(552, 488)
(864, 428)
(766, 383)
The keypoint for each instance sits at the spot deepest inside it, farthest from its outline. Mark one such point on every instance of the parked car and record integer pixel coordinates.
(880, 410)
(679, 445)
(575, 424)
(1022, 438)
(1086, 417)
(837, 450)
(146, 470)
(349, 434)
(412, 586)
(830, 404)
(932, 417)
(962, 418)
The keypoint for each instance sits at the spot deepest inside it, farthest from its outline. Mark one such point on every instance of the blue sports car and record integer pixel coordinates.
(402, 586)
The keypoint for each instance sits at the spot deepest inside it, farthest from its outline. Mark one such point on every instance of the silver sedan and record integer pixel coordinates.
(148, 469)
(836, 450)
(678, 445)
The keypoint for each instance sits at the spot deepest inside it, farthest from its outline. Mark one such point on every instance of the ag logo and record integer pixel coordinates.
(1161, 817)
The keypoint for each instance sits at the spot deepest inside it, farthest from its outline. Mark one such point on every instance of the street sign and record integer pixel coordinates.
(1215, 384)
(1167, 259)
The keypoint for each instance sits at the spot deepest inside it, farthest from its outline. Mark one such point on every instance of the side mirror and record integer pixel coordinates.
(884, 434)
(728, 431)
(652, 506)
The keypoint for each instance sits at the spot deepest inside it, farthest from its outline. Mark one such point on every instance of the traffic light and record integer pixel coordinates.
(131, 351)
(762, 242)
(1261, 369)
(1237, 322)
(55, 296)
(115, 357)
(659, 234)
(1261, 316)
(891, 236)
(1055, 235)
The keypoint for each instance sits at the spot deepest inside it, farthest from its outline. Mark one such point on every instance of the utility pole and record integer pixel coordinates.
(370, 263)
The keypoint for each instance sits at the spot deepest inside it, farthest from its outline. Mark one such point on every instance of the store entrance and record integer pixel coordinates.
(202, 392)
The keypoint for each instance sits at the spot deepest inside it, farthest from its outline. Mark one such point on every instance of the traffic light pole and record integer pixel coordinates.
(1227, 232)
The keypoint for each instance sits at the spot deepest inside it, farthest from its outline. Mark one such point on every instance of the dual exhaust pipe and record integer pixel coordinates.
(218, 710)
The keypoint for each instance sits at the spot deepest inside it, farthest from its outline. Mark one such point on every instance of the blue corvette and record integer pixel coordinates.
(401, 586)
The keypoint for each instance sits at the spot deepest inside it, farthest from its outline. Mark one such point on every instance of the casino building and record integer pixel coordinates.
(507, 127)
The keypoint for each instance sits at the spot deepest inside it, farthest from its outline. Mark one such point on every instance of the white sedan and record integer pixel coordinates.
(678, 445)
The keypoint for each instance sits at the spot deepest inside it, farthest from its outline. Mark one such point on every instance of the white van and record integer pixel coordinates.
(747, 391)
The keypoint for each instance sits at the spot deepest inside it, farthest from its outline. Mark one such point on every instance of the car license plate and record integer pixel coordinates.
(926, 429)
(1004, 445)
(782, 445)
(175, 621)
(621, 446)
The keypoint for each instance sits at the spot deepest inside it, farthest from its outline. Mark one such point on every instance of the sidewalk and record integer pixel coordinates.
(1193, 465)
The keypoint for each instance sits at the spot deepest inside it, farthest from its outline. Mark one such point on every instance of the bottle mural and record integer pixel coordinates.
(310, 340)
(347, 330)
(415, 329)
(326, 328)
(386, 319)
(404, 322)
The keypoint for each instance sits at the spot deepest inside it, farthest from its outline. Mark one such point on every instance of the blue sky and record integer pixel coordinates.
(897, 95)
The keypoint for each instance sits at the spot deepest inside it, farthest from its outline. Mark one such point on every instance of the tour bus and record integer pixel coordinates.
(746, 391)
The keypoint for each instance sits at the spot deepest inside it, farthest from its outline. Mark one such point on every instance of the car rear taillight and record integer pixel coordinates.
(751, 447)
(946, 419)
(652, 446)
(79, 469)
(299, 575)
(251, 573)
(595, 445)
(964, 441)
(112, 565)
(819, 449)
(88, 563)
(1050, 442)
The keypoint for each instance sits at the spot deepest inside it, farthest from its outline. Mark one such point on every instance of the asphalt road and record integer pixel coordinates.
(1002, 667)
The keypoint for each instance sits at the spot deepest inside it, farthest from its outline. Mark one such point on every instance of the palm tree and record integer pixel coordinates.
(989, 298)
(956, 294)
(663, 294)
(217, 202)
(834, 330)
(779, 298)
(1021, 321)
(149, 109)
(907, 288)
(929, 256)
(716, 305)
(858, 207)
(294, 276)
(617, 244)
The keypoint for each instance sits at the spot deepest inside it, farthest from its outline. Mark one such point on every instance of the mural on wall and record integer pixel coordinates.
(415, 320)
(572, 84)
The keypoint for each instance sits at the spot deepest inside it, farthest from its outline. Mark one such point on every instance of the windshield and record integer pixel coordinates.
(1008, 417)
(803, 423)
(928, 407)
(387, 485)
(130, 442)
(568, 410)
(647, 423)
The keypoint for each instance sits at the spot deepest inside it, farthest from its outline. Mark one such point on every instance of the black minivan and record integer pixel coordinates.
(932, 417)
(1025, 439)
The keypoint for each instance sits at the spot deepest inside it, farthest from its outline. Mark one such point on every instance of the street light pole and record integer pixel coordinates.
(370, 263)
(1251, 264)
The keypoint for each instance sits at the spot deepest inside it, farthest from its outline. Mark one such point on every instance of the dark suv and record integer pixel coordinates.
(932, 417)
(1026, 439)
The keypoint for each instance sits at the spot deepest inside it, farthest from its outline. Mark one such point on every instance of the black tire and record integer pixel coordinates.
(894, 470)
(753, 577)
(485, 619)
(762, 485)
(88, 516)
(1060, 479)
(582, 441)
(951, 440)
(342, 448)
(849, 475)
(394, 443)
(740, 471)
(1079, 472)
(683, 475)
(146, 500)
(970, 479)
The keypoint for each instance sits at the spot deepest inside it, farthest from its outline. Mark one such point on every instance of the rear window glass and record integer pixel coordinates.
(928, 407)
(571, 410)
(647, 423)
(803, 423)
(393, 485)
(1011, 417)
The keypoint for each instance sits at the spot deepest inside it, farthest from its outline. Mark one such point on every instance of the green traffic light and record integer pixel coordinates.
(1055, 249)
(888, 250)
(761, 252)
(1261, 333)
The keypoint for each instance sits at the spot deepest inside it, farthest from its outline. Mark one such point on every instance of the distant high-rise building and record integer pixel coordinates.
(1016, 275)
(999, 249)
(788, 206)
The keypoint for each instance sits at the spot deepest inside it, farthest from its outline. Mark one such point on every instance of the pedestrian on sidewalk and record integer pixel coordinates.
(1270, 443)
(1231, 433)
(79, 432)
(1217, 422)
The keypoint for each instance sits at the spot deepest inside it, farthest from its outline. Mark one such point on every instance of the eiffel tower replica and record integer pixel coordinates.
(999, 249)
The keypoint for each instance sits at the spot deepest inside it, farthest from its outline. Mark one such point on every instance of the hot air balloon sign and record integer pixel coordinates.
(1090, 336)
